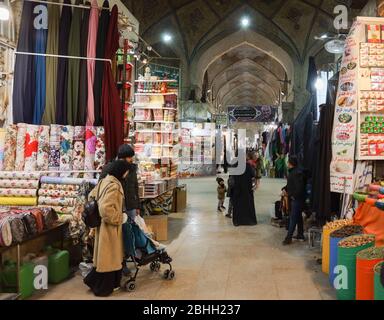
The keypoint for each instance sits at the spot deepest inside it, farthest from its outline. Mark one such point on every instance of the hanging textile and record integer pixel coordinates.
(49, 116)
(20, 146)
(66, 150)
(111, 104)
(83, 86)
(99, 66)
(62, 66)
(24, 76)
(90, 150)
(91, 53)
(2, 145)
(40, 47)
(100, 149)
(74, 66)
(78, 150)
(43, 149)
(54, 149)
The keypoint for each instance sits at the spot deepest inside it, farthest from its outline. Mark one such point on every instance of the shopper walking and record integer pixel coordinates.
(221, 190)
(296, 194)
(108, 247)
(258, 169)
(244, 212)
(231, 183)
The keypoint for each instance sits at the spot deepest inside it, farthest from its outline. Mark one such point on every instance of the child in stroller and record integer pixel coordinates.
(141, 250)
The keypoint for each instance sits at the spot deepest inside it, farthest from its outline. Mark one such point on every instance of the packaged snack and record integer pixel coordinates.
(374, 33)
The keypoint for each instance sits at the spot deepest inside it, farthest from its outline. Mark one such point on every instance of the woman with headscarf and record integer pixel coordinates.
(108, 255)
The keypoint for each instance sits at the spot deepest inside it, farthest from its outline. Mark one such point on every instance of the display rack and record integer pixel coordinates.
(155, 118)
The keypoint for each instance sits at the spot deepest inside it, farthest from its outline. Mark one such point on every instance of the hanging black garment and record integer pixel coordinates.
(244, 212)
(99, 65)
(83, 81)
(74, 66)
(62, 68)
(24, 76)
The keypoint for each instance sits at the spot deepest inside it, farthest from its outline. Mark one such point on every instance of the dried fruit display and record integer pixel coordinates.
(357, 241)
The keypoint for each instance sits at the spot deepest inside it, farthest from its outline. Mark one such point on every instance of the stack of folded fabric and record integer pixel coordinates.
(18, 188)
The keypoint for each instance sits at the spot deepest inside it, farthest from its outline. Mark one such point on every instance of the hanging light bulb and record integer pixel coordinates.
(145, 60)
(149, 48)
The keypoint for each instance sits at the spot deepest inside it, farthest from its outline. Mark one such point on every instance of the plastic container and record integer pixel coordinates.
(58, 266)
(335, 237)
(26, 277)
(365, 272)
(347, 257)
(378, 287)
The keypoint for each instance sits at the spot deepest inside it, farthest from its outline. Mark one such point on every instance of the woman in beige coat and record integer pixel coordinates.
(108, 248)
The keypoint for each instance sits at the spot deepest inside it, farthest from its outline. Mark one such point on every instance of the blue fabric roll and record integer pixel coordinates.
(74, 181)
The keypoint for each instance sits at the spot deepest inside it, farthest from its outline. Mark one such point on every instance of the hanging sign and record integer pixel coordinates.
(346, 114)
(221, 119)
(252, 113)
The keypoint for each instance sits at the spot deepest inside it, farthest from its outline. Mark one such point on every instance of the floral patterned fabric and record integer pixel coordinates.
(54, 149)
(60, 180)
(100, 149)
(20, 146)
(57, 201)
(19, 184)
(59, 210)
(43, 149)
(90, 150)
(66, 144)
(56, 193)
(78, 150)
(17, 192)
(2, 145)
(10, 148)
(31, 147)
(19, 175)
(62, 187)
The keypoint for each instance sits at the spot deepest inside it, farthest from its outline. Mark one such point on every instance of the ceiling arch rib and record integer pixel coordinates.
(250, 87)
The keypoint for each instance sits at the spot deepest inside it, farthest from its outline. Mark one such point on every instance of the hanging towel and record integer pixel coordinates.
(83, 85)
(62, 66)
(49, 116)
(99, 65)
(24, 76)
(40, 47)
(111, 104)
(74, 66)
(91, 53)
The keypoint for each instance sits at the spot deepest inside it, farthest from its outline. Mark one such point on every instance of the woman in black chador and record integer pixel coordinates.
(244, 213)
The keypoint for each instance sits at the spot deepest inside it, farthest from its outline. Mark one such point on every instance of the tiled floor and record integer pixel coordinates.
(215, 260)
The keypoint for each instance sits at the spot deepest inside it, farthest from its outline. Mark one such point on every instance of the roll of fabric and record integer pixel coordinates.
(54, 149)
(20, 146)
(43, 149)
(83, 89)
(100, 149)
(56, 193)
(49, 116)
(18, 201)
(10, 148)
(17, 228)
(60, 180)
(5, 232)
(31, 147)
(57, 201)
(74, 66)
(18, 192)
(78, 150)
(111, 104)
(2, 146)
(62, 64)
(65, 218)
(24, 76)
(90, 150)
(40, 47)
(66, 151)
(19, 175)
(19, 184)
(60, 187)
(99, 65)
(91, 53)
(60, 210)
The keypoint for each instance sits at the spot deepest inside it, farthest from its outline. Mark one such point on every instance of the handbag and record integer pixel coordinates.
(91, 215)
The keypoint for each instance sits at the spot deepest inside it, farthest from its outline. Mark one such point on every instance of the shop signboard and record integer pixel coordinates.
(346, 116)
(221, 119)
(252, 114)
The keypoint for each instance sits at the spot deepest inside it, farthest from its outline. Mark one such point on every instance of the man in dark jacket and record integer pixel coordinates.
(296, 195)
(130, 183)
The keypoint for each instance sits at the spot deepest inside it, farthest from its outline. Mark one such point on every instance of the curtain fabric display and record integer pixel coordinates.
(83, 89)
(91, 53)
(49, 115)
(40, 47)
(62, 67)
(99, 66)
(74, 66)
(24, 76)
(111, 105)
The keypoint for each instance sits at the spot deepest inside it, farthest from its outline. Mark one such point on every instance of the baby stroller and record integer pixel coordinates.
(140, 251)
